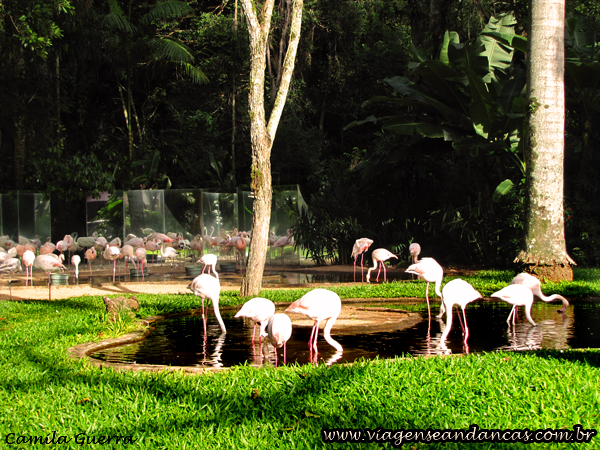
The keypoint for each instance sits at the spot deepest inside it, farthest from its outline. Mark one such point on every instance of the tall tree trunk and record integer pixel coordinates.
(261, 133)
(544, 252)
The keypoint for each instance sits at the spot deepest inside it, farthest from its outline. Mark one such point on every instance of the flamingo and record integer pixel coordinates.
(167, 253)
(209, 259)
(140, 256)
(415, 250)
(90, 255)
(75, 260)
(279, 331)
(283, 241)
(360, 247)
(536, 288)
(47, 248)
(517, 295)
(379, 257)
(127, 254)
(27, 259)
(456, 292)
(49, 263)
(11, 265)
(259, 310)
(206, 286)
(431, 272)
(112, 253)
(318, 305)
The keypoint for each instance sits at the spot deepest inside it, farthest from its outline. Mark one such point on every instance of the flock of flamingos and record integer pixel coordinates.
(318, 304)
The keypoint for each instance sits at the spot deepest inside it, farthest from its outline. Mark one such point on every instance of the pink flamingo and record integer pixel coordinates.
(28, 258)
(431, 272)
(259, 310)
(90, 255)
(283, 241)
(206, 286)
(209, 259)
(127, 254)
(279, 331)
(536, 288)
(318, 305)
(75, 260)
(415, 250)
(517, 295)
(360, 247)
(112, 254)
(140, 256)
(457, 292)
(379, 257)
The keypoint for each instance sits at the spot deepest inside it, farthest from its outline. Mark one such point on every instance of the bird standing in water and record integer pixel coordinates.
(206, 286)
(536, 288)
(517, 295)
(259, 310)
(279, 331)
(457, 292)
(431, 272)
(318, 305)
(360, 247)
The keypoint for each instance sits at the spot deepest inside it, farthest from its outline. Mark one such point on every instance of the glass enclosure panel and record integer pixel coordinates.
(104, 215)
(34, 217)
(145, 212)
(10, 215)
(183, 212)
(220, 220)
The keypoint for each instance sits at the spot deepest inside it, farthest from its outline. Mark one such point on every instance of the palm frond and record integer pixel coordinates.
(166, 10)
(116, 19)
(173, 49)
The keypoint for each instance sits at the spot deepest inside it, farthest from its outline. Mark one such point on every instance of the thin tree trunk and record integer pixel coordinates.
(544, 252)
(261, 133)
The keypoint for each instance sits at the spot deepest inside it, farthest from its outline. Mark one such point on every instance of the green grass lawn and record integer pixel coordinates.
(46, 395)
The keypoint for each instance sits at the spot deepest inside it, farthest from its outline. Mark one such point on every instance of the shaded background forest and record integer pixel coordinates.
(91, 102)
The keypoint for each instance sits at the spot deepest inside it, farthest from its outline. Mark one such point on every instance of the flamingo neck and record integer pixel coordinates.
(438, 284)
(327, 334)
(448, 323)
(218, 315)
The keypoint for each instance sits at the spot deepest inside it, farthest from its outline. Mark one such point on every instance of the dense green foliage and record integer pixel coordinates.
(108, 95)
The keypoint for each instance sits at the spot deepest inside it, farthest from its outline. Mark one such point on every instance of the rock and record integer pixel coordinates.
(115, 305)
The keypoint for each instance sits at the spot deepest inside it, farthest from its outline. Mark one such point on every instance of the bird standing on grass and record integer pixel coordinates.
(318, 305)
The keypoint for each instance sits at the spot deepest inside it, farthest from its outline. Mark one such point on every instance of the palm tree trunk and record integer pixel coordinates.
(544, 252)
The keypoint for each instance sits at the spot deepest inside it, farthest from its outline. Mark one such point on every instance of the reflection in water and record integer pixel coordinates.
(181, 342)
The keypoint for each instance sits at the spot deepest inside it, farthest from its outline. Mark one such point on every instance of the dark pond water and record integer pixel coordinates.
(270, 278)
(182, 342)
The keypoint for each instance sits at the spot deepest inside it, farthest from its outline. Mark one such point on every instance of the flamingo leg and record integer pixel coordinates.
(284, 352)
(427, 297)
(355, 270)
(380, 263)
(466, 327)
(362, 269)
